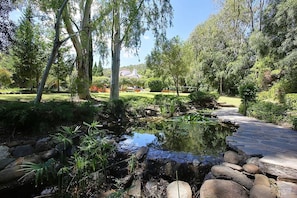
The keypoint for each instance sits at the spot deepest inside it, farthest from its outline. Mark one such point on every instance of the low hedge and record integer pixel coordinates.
(268, 111)
(204, 99)
(31, 118)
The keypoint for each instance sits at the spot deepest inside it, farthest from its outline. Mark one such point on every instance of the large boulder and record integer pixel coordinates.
(217, 188)
(224, 172)
(21, 151)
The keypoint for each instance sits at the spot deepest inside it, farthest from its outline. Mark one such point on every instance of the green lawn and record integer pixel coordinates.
(104, 96)
(67, 97)
(230, 100)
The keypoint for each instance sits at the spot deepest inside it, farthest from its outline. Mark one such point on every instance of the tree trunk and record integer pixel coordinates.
(85, 68)
(82, 50)
(55, 49)
(115, 55)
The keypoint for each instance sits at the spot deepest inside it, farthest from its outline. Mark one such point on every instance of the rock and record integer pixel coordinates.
(287, 189)
(135, 189)
(217, 188)
(141, 153)
(253, 160)
(155, 189)
(261, 180)
(43, 144)
(13, 143)
(223, 172)
(4, 152)
(179, 189)
(260, 191)
(233, 166)
(5, 162)
(251, 168)
(24, 150)
(10, 174)
(45, 155)
(23, 160)
(232, 157)
(283, 165)
(106, 194)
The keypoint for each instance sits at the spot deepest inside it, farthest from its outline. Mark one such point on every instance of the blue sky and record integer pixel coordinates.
(187, 15)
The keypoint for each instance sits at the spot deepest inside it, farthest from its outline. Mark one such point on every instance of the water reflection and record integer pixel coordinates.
(205, 137)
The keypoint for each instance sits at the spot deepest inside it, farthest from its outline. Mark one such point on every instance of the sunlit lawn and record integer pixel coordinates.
(31, 97)
(68, 97)
(230, 100)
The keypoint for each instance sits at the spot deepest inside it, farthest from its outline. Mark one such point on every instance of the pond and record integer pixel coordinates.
(194, 133)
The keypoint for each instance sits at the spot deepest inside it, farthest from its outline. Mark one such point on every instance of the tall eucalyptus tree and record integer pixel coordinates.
(124, 24)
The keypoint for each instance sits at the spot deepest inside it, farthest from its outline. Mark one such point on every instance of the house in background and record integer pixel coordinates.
(127, 73)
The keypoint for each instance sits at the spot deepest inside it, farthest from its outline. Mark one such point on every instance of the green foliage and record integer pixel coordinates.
(247, 93)
(268, 111)
(28, 52)
(291, 101)
(203, 99)
(170, 104)
(72, 173)
(275, 93)
(155, 85)
(30, 118)
(101, 81)
(5, 78)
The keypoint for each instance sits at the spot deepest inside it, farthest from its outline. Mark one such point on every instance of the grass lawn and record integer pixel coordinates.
(67, 97)
(230, 100)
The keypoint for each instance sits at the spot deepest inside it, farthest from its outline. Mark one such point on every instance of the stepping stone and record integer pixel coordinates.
(283, 165)
(287, 189)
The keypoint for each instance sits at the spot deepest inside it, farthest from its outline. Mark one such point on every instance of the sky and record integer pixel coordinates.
(187, 14)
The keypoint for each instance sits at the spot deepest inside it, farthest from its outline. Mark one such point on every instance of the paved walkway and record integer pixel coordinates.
(276, 145)
(257, 138)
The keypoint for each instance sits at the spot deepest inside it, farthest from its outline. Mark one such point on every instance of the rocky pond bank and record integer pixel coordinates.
(261, 162)
(237, 175)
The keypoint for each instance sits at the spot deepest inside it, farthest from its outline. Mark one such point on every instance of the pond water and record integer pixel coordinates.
(198, 137)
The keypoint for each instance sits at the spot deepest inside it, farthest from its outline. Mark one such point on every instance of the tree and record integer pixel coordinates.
(61, 68)
(7, 27)
(83, 47)
(125, 22)
(28, 52)
(56, 45)
(97, 69)
(171, 59)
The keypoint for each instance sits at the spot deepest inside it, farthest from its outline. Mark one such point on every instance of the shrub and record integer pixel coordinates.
(203, 98)
(73, 174)
(31, 118)
(247, 93)
(268, 111)
(291, 101)
(155, 85)
(100, 81)
(5, 78)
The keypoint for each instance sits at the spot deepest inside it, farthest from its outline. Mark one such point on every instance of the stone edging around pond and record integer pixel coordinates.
(237, 176)
(249, 180)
